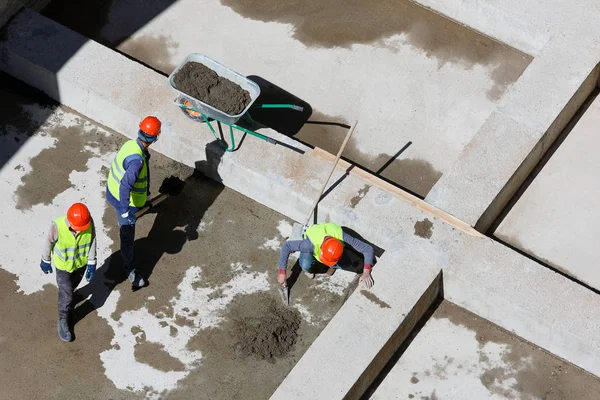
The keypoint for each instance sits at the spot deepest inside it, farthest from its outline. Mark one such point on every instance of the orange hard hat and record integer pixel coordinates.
(150, 126)
(331, 251)
(79, 217)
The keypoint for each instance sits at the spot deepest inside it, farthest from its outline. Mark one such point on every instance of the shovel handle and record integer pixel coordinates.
(153, 202)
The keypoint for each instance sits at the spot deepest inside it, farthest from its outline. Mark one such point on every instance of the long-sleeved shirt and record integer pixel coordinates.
(132, 165)
(52, 238)
(306, 246)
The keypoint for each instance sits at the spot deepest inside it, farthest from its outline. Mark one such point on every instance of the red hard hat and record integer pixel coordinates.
(78, 216)
(150, 125)
(331, 251)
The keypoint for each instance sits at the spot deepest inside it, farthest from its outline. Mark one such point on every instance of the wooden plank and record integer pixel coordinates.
(401, 194)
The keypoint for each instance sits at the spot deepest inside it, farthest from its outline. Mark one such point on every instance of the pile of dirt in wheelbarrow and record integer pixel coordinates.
(202, 83)
(265, 330)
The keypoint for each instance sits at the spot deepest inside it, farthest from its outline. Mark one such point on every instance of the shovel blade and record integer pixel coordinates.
(285, 295)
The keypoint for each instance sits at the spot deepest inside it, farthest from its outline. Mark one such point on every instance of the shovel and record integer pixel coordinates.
(297, 228)
(171, 186)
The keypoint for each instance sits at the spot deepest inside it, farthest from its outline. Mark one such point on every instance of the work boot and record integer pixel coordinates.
(330, 271)
(136, 279)
(63, 329)
(309, 274)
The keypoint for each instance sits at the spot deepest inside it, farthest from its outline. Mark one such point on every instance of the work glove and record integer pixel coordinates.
(129, 216)
(366, 280)
(89, 273)
(46, 267)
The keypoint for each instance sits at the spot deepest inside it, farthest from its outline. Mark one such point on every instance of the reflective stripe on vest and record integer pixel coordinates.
(317, 233)
(139, 192)
(71, 253)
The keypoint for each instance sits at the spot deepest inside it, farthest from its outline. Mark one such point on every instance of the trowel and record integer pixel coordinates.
(285, 294)
(298, 229)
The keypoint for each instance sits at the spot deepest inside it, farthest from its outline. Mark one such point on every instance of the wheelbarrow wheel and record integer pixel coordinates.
(191, 114)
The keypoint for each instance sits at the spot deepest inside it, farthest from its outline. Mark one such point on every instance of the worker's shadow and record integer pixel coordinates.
(351, 260)
(176, 223)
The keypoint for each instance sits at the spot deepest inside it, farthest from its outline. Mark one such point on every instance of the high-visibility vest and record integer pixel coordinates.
(317, 233)
(71, 253)
(139, 192)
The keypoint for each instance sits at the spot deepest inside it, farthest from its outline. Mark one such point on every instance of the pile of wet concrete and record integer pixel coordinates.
(267, 330)
(204, 84)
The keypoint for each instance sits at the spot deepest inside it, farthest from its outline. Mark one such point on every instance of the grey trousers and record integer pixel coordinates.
(67, 282)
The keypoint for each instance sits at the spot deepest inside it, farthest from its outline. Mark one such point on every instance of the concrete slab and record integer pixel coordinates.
(555, 219)
(419, 240)
(210, 255)
(458, 355)
(431, 82)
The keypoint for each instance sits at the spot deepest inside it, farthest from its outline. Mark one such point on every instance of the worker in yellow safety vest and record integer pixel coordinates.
(128, 187)
(71, 242)
(324, 243)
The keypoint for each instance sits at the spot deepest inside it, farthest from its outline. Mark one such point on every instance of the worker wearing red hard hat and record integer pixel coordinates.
(128, 186)
(324, 243)
(71, 242)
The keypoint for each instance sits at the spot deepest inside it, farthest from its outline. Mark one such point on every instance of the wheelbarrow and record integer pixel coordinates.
(200, 111)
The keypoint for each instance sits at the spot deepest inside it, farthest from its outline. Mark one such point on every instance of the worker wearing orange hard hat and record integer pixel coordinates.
(70, 246)
(324, 243)
(128, 187)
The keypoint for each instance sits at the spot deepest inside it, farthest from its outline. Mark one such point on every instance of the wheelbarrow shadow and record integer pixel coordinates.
(286, 121)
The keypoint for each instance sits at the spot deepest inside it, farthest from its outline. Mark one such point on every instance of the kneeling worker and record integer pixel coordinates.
(325, 243)
(72, 243)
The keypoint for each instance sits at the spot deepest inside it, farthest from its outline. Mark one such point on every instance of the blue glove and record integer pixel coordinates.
(89, 273)
(46, 267)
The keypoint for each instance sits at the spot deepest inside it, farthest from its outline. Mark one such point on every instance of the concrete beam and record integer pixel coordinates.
(513, 139)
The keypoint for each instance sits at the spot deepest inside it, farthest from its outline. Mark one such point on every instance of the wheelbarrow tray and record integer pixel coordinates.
(206, 109)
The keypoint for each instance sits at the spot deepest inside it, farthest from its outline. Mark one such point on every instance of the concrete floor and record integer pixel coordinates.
(431, 82)
(458, 355)
(210, 255)
(556, 218)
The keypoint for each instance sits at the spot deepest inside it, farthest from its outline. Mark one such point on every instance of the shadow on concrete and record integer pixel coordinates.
(376, 173)
(17, 125)
(165, 236)
(285, 121)
(109, 22)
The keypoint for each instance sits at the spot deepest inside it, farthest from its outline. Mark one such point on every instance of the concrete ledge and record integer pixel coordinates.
(535, 303)
(357, 343)
(511, 142)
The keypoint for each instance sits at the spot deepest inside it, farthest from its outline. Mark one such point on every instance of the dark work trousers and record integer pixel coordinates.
(67, 282)
(127, 233)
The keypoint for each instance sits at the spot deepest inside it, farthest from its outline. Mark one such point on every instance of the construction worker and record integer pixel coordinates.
(128, 187)
(324, 243)
(72, 243)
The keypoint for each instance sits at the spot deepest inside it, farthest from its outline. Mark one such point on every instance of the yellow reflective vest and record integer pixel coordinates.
(71, 253)
(317, 233)
(139, 192)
